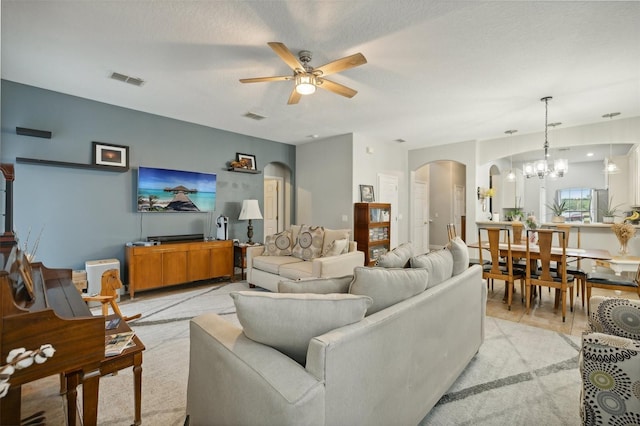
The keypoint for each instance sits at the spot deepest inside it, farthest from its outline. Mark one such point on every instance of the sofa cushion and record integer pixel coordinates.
(309, 243)
(460, 254)
(316, 285)
(336, 248)
(396, 258)
(330, 235)
(272, 264)
(278, 244)
(297, 270)
(439, 264)
(287, 322)
(388, 286)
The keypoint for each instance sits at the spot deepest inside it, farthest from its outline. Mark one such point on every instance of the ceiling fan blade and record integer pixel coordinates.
(294, 97)
(342, 64)
(261, 79)
(337, 88)
(286, 55)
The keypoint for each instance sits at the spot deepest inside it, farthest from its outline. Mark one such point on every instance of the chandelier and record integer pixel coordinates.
(542, 168)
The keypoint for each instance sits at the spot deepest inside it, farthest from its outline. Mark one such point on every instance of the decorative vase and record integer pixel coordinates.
(558, 219)
(624, 250)
(607, 219)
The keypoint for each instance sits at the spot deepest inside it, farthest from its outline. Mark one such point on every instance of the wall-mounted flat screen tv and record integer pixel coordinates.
(171, 191)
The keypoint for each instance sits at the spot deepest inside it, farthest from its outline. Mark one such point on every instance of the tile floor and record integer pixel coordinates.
(543, 314)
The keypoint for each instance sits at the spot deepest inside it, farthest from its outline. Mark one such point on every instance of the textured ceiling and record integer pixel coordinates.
(438, 71)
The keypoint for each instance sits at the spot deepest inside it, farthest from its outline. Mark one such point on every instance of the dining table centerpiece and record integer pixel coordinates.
(624, 232)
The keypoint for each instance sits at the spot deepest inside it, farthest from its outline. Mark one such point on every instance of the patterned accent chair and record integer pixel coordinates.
(610, 363)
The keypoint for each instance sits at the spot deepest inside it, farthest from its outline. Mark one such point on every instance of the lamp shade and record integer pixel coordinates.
(250, 210)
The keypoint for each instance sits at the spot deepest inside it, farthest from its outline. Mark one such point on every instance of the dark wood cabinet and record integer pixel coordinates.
(372, 229)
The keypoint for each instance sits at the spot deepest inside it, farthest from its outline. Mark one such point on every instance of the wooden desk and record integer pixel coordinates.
(131, 357)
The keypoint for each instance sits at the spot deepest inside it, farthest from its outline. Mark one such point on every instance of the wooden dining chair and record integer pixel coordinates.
(543, 274)
(611, 281)
(505, 270)
(573, 264)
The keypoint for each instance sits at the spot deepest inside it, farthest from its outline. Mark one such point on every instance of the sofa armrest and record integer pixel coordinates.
(227, 369)
(605, 315)
(336, 266)
(608, 368)
(252, 252)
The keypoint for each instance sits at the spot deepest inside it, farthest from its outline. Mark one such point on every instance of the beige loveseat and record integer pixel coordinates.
(389, 368)
(269, 264)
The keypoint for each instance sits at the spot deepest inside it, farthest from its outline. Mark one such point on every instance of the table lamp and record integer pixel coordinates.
(250, 210)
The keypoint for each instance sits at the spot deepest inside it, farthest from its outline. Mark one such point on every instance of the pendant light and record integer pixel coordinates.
(541, 168)
(610, 167)
(511, 176)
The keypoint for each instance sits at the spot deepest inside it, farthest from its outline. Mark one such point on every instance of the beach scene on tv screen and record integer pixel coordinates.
(165, 190)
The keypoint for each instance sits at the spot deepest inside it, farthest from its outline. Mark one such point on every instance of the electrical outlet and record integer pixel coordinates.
(345, 218)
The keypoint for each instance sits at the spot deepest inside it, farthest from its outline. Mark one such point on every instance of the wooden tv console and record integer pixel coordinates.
(177, 263)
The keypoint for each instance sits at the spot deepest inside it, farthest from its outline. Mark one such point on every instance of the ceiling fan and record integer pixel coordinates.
(307, 78)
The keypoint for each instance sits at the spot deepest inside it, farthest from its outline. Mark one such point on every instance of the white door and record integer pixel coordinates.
(271, 203)
(388, 193)
(420, 231)
(458, 208)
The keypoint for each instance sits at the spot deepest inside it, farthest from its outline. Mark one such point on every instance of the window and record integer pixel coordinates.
(578, 203)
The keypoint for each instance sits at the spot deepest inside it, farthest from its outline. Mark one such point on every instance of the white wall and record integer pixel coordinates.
(324, 182)
(371, 157)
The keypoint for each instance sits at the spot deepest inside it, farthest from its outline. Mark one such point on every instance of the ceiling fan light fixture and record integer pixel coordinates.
(306, 84)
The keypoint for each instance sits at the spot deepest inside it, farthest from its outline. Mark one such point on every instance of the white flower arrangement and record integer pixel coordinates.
(20, 358)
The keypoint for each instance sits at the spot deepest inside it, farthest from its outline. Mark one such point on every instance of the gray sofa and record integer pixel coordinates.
(389, 368)
(266, 268)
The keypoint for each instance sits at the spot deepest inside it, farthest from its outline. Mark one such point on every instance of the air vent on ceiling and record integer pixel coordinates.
(127, 79)
(254, 116)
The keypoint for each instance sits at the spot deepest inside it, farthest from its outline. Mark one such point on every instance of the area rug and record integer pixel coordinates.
(521, 375)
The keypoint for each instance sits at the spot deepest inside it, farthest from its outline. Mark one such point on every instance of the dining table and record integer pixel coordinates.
(520, 251)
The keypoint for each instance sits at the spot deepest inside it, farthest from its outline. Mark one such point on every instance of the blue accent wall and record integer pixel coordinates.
(82, 215)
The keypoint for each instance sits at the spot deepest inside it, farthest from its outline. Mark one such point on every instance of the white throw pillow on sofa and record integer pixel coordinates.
(287, 321)
(336, 248)
(388, 286)
(331, 235)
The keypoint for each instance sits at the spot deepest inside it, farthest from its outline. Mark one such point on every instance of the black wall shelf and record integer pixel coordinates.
(241, 170)
(71, 165)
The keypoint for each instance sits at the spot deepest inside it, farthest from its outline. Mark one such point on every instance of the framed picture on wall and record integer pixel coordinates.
(105, 154)
(250, 159)
(366, 194)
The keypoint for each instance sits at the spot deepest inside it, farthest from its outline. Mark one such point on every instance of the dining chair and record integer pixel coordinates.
(611, 281)
(573, 264)
(504, 271)
(543, 274)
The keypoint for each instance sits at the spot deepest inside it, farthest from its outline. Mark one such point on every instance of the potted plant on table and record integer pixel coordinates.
(610, 211)
(558, 209)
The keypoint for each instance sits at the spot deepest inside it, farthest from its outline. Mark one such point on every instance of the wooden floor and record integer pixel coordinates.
(543, 314)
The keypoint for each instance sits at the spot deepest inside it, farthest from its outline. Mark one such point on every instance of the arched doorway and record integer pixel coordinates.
(438, 198)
